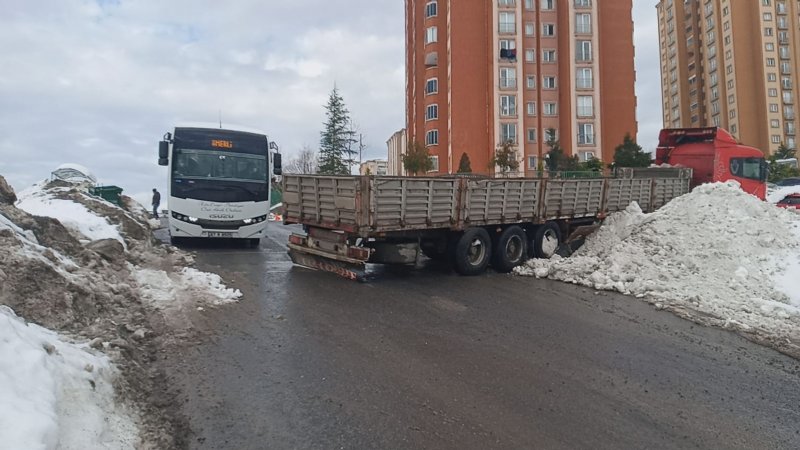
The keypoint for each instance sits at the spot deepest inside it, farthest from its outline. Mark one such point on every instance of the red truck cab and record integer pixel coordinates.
(714, 155)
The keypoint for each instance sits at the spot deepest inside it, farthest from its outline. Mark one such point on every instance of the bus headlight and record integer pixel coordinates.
(248, 221)
(193, 219)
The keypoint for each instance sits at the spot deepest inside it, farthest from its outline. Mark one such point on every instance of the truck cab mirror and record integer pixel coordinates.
(163, 161)
(277, 169)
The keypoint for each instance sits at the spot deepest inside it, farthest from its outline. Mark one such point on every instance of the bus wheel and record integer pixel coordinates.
(472, 251)
(510, 249)
(546, 240)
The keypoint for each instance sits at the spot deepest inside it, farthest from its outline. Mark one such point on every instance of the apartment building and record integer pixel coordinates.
(378, 167)
(396, 148)
(732, 64)
(483, 72)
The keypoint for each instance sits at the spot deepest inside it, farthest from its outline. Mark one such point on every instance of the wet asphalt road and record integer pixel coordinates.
(427, 359)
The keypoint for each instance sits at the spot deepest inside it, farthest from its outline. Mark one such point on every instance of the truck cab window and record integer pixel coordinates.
(750, 168)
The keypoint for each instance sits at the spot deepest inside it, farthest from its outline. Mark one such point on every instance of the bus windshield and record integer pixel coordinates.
(216, 165)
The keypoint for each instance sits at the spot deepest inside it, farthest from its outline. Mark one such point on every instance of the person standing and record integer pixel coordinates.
(156, 203)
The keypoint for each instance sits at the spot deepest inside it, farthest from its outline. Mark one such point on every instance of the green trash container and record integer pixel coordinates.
(111, 194)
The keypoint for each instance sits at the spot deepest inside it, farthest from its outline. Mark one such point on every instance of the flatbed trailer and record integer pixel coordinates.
(471, 222)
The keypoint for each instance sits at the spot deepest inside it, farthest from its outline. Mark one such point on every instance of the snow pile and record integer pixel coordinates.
(717, 253)
(71, 214)
(188, 285)
(54, 394)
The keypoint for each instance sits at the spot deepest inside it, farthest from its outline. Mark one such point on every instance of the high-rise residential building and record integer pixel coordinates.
(483, 72)
(732, 64)
(396, 148)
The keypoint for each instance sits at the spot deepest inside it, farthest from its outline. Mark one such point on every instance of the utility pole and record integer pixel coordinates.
(360, 149)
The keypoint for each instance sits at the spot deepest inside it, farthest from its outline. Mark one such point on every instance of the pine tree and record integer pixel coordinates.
(417, 160)
(630, 154)
(336, 153)
(464, 165)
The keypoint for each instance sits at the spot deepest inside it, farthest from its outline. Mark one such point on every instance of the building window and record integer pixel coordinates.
(775, 123)
(434, 164)
(531, 134)
(585, 134)
(508, 23)
(432, 86)
(508, 132)
(772, 92)
(530, 29)
(583, 23)
(528, 4)
(432, 112)
(432, 138)
(508, 77)
(506, 2)
(548, 29)
(773, 107)
(583, 51)
(531, 108)
(431, 35)
(431, 9)
(548, 5)
(585, 106)
(550, 109)
(530, 55)
(583, 3)
(549, 82)
(585, 78)
(776, 139)
(548, 56)
(533, 163)
(530, 82)
(508, 105)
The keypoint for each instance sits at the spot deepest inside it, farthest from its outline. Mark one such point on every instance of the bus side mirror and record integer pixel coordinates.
(277, 169)
(163, 153)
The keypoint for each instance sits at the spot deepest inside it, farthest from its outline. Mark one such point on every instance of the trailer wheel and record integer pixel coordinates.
(510, 249)
(546, 240)
(472, 252)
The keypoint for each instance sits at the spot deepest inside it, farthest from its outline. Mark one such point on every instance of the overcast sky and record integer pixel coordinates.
(98, 82)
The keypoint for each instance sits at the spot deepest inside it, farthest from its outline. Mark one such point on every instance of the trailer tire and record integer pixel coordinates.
(510, 250)
(472, 251)
(546, 240)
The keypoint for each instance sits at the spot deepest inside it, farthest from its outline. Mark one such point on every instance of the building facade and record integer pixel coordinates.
(396, 148)
(378, 167)
(483, 72)
(732, 64)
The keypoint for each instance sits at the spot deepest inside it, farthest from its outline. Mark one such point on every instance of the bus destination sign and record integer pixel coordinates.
(221, 144)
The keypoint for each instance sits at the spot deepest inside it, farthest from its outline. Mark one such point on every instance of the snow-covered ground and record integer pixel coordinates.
(56, 394)
(715, 253)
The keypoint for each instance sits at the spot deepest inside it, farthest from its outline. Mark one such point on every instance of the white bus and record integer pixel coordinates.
(219, 182)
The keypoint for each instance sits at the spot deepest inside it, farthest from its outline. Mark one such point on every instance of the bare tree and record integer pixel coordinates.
(306, 162)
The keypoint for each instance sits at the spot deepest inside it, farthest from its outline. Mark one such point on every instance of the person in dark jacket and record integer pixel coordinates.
(156, 203)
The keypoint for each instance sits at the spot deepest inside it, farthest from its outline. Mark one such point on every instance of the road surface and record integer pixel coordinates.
(428, 359)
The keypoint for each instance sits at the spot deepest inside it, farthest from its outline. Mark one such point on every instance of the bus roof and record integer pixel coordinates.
(216, 126)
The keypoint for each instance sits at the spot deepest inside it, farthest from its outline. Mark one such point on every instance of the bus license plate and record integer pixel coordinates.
(218, 234)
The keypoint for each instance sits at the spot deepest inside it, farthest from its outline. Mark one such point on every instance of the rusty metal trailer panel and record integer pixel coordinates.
(497, 202)
(366, 206)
